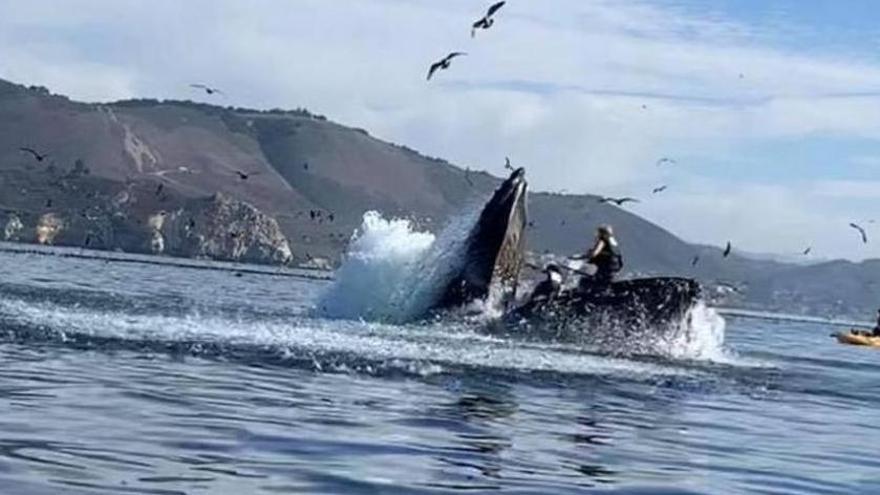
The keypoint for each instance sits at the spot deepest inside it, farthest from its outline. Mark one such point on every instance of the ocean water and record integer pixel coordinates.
(133, 377)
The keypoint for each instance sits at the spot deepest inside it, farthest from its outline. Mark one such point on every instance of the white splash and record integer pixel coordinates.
(394, 273)
(700, 335)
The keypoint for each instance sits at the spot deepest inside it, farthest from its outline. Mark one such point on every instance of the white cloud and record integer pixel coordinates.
(848, 189)
(559, 90)
(765, 218)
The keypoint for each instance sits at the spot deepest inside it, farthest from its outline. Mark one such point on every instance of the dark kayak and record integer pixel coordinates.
(630, 305)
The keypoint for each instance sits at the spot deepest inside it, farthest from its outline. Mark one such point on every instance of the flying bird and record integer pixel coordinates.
(487, 20)
(37, 155)
(666, 161)
(618, 201)
(245, 175)
(444, 63)
(861, 231)
(695, 260)
(507, 165)
(727, 250)
(207, 89)
(807, 251)
(659, 189)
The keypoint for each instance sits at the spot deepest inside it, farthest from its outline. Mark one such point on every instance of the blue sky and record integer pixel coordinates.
(771, 108)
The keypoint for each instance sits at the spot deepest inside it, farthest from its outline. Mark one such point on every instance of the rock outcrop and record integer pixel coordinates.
(222, 228)
(13, 228)
(48, 227)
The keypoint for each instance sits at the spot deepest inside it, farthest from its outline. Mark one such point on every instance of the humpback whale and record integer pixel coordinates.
(494, 248)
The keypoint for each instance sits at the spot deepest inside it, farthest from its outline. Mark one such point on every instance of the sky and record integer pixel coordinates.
(769, 108)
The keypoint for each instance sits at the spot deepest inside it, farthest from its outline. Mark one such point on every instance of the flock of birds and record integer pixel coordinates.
(484, 23)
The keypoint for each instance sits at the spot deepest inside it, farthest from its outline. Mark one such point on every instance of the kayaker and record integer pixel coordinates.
(876, 332)
(550, 286)
(605, 255)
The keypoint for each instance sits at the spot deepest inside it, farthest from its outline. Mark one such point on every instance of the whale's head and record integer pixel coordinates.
(493, 253)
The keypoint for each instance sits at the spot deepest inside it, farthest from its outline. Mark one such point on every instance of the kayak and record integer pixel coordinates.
(857, 339)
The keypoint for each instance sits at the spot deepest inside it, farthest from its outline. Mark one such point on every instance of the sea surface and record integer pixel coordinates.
(132, 376)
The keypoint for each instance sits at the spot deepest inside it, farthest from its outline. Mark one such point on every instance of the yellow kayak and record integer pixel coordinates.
(857, 339)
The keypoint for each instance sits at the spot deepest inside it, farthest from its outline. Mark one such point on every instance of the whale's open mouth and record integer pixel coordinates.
(493, 253)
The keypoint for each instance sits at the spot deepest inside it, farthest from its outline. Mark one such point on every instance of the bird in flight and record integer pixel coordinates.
(443, 64)
(487, 20)
(245, 175)
(695, 260)
(618, 201)
(37, 155)
(808, 250)
(659, 189)
(861, 231)
(666, 161)
(207, 89)
(507, 165)
(727, 250)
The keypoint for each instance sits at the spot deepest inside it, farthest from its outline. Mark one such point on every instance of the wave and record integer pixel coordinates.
(315, 343)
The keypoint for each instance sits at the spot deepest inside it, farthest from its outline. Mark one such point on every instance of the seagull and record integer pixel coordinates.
(666, 161)
(245, 176)
(507, 165)
(37, 156)
(619, 201)
(727, 250)
(695, 260)
(207, 89)
(861, 231)
(487, 21)
(444, 63)
(808, 250)
(659, 189)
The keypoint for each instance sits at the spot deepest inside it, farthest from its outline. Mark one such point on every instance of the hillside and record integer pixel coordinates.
(113, 167)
